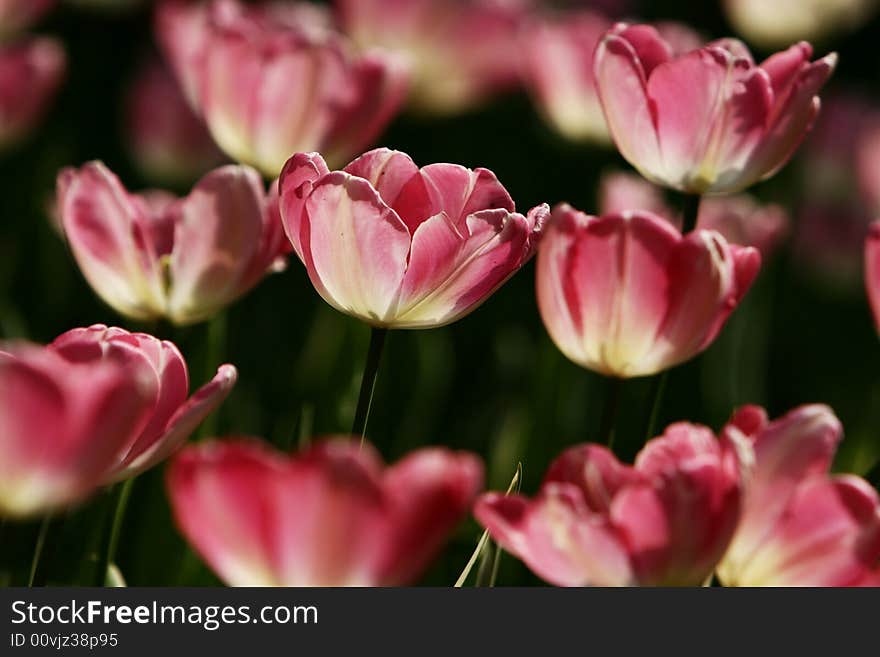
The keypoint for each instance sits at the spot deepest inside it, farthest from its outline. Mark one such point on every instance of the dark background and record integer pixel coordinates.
(492, 383)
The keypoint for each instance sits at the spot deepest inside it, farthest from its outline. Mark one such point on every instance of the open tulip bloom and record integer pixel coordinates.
(665, 521)
(711, 120)
(268, 86)
(402, 247)
(627, 295)
(333, 515)
(801, 526)
(96, 406)
(153, 256)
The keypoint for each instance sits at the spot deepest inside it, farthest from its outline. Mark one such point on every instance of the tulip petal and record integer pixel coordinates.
(622, 86)
(387, 171)
(429, 491)
(595, 470)
(111, 241)
(358, 247)
(295, 184)
(557, 536)
(872, 270)
(217, 235)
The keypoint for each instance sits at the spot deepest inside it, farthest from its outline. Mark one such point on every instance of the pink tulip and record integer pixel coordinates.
(331, 516)
(740, 218)
(30, 74)
(801, 526)
(18, 15)
(63, 425)
(151, 256)
(167, 141)
(595, 521)
(458, 52)
(711, 120)
(401, 247)
(626, 295)
(268, 88)
(781, 22)
(872, 271)
(172, 416)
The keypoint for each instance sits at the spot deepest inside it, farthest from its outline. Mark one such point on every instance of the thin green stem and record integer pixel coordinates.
(38, 549)
(215, 349)
(368, 382)
(609, 412)
(113, 531)
(690, 212)
(655, 397)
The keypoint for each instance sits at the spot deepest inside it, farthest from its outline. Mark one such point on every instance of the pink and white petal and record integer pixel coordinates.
(152, 449)
(296, 182)
(429, 492)
(450, 275)
(596, 471)
(557, 537)
(338, 530)
(785, 67)
(789, 450)
(872, 270)
(386, 170)
(217, 235)
(792, 118)
(110, 242)
(622, 87)
(828, 536)
(650, 46)
(358, 246)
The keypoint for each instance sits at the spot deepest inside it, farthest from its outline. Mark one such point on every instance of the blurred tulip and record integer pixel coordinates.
(872, 270)
(559, 50)
(167, 141)
(30, 73)
(458, 52)
(268, 88)
(172, 416)
(781, 22)
(152, 256)
(801, 526)
(18, 15)
(401, 247)
(63, 425)
(626, 295)
(710, 121)
(739, 218)
(331, 516)
(595, 521)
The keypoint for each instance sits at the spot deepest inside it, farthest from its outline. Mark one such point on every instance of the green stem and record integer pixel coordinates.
(38, 549)
(690, 212)
(368, 382)
(658, 386)
(114, 529)
(215, 349)
(609, 413)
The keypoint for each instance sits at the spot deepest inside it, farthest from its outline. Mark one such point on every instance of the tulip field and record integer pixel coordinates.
(445, 293)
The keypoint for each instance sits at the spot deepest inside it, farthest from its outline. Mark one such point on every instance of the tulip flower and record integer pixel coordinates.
(30, 74)
(740, 218)
(152, 256)
(709, 121)
(268, 88)
(330, 516)
(872, 270)
(801, 526)
(779, 23)
(458, 52)
(63, 425)
(626, 295)
(595, 521)
(18, 15)
(401, 247)
(172, 416)
(167, 141)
